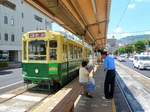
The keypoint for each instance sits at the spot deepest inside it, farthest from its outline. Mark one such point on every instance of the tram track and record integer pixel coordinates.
(30, 108)
(21, 100)
(128, 106)
(13, 93)
(135, 87)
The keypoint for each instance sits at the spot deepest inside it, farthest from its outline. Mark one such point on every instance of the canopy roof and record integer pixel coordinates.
(86, 18)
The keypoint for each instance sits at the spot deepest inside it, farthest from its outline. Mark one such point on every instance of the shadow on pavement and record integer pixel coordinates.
(5, 72)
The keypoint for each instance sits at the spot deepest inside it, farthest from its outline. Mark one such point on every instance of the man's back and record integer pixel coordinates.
(109, 63)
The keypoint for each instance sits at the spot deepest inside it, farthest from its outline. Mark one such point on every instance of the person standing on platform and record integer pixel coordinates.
(109, 67)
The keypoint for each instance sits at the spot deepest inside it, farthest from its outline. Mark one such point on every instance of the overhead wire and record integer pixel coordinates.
(142, 31)
(124, 11)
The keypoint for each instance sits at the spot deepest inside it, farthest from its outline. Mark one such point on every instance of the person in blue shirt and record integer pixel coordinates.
(109, 67)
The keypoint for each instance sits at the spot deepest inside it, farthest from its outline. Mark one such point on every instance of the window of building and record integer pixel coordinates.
(48, 25)
(22, 29)
(0, 36)
(6, 36)
(22, 2)
(12, 21)
(39, 19)
(8, 4)
(22, 15)
(5, 20)
(12, 37)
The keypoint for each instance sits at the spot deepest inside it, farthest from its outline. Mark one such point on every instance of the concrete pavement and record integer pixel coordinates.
(98, 103)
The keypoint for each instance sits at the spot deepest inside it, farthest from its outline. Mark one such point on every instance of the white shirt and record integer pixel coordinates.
(83, 75)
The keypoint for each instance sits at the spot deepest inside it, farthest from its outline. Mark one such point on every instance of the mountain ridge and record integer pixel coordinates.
(133, 39)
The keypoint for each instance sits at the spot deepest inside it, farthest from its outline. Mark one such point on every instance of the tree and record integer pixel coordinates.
(140, 46)
(121, 50)
(129, 48)
(115, 52)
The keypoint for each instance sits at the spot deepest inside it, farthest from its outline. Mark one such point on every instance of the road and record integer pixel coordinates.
(10, 79)
(130, 65)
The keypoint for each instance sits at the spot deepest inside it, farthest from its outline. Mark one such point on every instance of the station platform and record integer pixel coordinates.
(98, 103)
(67, 99)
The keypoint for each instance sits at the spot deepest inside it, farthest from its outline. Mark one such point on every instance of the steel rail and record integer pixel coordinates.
(123, 93)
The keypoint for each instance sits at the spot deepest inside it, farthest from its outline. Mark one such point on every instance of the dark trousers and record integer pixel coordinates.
(109, 84)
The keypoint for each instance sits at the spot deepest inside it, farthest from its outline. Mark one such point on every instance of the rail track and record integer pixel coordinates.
(21, 99)
(126, 106)
(135, 88)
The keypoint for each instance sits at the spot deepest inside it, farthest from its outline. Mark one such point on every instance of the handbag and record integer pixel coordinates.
(91, 85)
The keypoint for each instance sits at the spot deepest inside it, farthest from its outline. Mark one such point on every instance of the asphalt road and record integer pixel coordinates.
(130, 65)
(10, 79)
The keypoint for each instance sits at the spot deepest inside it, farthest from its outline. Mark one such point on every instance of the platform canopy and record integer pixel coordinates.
(86, 18)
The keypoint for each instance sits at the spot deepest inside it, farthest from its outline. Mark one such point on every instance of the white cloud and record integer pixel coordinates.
(118, 30)
(148, 32)
(142, 0)
(131, 6)
(138, 0)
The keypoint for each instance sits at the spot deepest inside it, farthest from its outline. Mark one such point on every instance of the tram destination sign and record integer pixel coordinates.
(36, 35)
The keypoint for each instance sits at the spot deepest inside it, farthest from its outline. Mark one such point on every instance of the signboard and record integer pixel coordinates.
(35, 35)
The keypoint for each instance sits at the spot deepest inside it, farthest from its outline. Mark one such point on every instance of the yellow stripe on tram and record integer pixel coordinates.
(113, 106)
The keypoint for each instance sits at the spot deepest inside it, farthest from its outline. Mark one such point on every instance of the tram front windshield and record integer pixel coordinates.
(37, 50)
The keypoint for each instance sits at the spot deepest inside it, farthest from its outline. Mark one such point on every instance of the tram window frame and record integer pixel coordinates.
(64, 52)
(75, 52)
(71, 50)
(80, 53)
(35, 53)
(53, 49)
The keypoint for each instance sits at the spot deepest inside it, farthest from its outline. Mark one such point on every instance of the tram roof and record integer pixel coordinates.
(56, 34)
(86, 18)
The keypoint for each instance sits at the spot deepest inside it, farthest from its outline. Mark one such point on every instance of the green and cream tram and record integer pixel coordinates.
(49, 57)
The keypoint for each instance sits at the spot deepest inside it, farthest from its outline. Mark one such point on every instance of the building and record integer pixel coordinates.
(112, 44)
(18, 17)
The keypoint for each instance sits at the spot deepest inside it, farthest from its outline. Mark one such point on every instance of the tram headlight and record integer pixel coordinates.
(36, 70)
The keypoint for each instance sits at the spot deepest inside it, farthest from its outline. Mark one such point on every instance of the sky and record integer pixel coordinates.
(129, 17)
(56, 27)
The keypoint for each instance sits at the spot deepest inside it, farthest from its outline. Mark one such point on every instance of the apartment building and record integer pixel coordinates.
(16, 18)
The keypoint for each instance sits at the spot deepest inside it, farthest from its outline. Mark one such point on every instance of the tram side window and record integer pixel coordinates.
(53, 50)
(74, 54)
(86, 53)
(64, 52)
(80, 53)
(71, 50)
